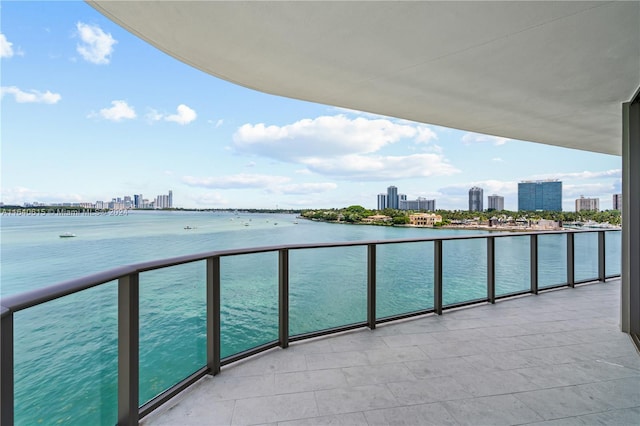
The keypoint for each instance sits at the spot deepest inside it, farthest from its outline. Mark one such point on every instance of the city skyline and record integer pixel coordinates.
(113, 113)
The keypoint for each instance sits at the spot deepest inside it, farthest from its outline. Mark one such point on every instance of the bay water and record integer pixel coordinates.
(66, 350)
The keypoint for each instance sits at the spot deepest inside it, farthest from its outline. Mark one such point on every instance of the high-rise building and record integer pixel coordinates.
(418, 204)
(392, 197)
(495, 202)
(137, 201)
(170, 199)
(540, 195)
(162, 202)
(587, 204)
(382, 201)
(617, 202)
(475, 199)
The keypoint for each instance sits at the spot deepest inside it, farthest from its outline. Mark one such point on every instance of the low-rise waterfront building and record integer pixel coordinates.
(424, 219)
(377, 218)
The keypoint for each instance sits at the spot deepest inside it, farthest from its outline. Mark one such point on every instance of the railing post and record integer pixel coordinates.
(283, 299)
(128, 348)
(6, 368)
(437, 276)
(491, 270)
(602, 257)
(213, 314)
(571, 265)
(533, 262)
(371, 286)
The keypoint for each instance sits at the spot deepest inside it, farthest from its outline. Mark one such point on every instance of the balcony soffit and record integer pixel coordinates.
(547, 72)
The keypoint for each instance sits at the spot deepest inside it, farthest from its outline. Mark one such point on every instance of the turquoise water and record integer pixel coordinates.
(66, 350)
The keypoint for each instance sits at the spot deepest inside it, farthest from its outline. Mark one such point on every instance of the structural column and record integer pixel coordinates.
(630, 295)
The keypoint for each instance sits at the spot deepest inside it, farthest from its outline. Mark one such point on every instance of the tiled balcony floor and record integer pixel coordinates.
(558, 358)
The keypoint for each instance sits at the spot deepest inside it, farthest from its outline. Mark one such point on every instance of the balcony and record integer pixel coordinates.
(557, 356)
(562, 345)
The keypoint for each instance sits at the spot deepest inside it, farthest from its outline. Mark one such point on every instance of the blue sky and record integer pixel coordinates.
(90, 112)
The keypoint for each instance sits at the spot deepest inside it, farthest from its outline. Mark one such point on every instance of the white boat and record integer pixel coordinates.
(67, 235)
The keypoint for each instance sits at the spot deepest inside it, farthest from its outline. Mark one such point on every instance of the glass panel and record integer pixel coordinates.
(66, 359)
(248, 301)
(173, 326)
(552, 260)
(585, 252)
(513, 266)
(335, 297)
(613, 252)
(404, 274)
(464, 270)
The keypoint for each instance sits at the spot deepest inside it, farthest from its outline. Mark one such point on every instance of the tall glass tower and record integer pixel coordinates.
(382, 201)
(540, 195)
(392, 197)
(475, 199)
(496, 202)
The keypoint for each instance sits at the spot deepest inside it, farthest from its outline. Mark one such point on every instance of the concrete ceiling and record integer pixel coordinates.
(548, 72)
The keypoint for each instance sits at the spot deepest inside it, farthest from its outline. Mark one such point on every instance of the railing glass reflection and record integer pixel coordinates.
(552, 260)
(172, 321)
(66, 371)
(334, 298)
(404, 280)
(512, 265)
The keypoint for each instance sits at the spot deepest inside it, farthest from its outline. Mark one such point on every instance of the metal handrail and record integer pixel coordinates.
(128, 301)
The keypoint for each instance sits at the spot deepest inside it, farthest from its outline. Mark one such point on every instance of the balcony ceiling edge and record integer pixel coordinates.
(548, 72)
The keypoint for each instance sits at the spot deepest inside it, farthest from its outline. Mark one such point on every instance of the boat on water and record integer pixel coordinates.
(188, 227)
(67, 235)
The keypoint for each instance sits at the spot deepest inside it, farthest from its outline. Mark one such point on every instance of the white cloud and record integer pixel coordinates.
(271, 184)
(184, 116)
(6, 47)
(489, 187)
(589, 190)
(20, 195)
(96, 46)
(614, 173)
(33, 96)
(250, 164)
(497, 160)
(343, 147)
(119, 111)
(209, 199)
(153, 115)
(470, 137)
(374, 168)
(304, 188)
(219, 123)
(242, 180)
(325, 136)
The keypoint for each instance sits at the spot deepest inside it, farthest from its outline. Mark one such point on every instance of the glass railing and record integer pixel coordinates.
(111, 347)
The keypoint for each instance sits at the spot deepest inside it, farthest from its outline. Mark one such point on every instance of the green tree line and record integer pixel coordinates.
(355, 214)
